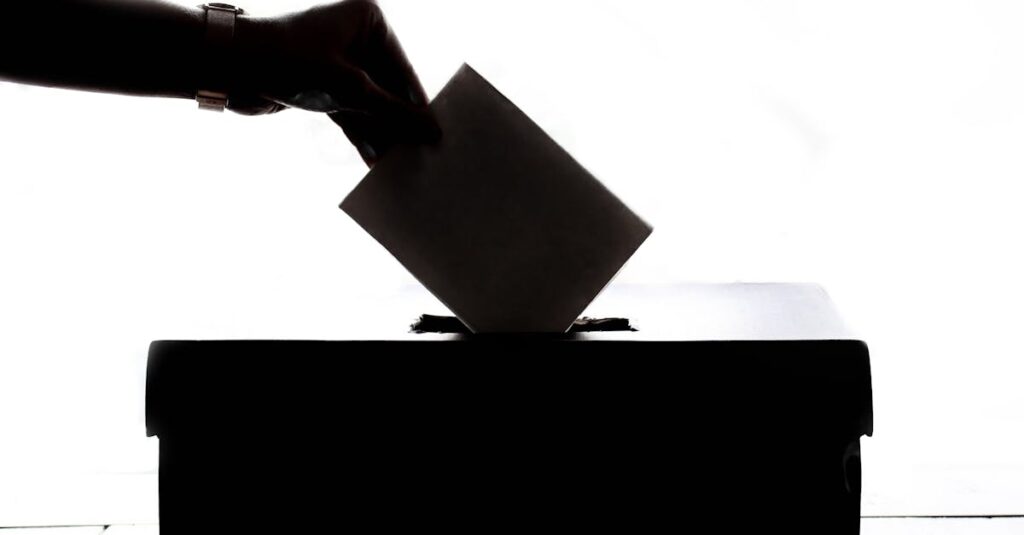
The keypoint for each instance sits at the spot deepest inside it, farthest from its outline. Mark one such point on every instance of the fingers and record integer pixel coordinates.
(384, 59)
(355, 70)
(409, 122)
(376, 120)
(395, 100)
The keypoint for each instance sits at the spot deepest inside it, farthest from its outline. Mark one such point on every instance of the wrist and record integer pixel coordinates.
(257, 43)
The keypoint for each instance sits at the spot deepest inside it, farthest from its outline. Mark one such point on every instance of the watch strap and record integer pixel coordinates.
(216, 61)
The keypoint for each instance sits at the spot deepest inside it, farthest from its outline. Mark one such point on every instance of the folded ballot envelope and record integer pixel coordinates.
(498, 221)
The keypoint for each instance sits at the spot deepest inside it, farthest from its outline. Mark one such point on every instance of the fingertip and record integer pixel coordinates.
(417, 96)
(367, 153)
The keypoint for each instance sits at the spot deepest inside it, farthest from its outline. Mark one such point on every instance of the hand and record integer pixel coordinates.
(341, 59)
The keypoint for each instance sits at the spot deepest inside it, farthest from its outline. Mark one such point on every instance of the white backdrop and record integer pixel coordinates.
(873, 147)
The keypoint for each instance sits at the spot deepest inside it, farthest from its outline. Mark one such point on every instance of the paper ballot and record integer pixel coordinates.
(496, 220)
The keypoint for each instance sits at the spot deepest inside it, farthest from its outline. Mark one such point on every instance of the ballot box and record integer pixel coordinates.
(739, 405)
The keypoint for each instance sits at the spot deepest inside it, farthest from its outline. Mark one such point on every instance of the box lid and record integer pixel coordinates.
(778, 353)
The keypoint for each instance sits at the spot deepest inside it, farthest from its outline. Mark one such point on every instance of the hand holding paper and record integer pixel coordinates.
(496, 220)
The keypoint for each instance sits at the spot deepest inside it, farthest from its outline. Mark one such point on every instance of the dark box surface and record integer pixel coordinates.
(755, 426)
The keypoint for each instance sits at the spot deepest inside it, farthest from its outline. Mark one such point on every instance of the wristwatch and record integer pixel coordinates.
(216, 61)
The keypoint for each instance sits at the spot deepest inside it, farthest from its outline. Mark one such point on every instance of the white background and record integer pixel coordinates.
(874, 147)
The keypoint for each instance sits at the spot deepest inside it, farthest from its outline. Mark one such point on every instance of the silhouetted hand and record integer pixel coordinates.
(341, 59)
